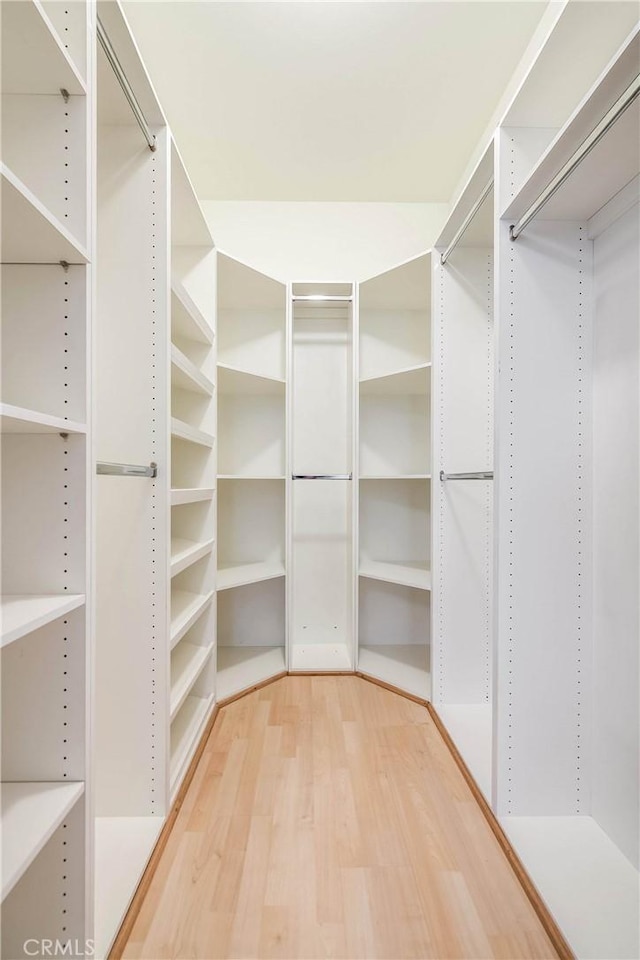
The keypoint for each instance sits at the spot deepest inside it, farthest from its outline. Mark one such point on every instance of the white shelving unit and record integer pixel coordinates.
(394, 509)
(252, 511)
(45, 438)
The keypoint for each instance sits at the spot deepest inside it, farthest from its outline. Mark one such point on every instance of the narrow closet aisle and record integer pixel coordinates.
(327, 818)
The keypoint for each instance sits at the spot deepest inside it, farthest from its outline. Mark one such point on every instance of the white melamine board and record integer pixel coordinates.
(321, 656)
(22, 614)
(463, 442)
(182, 495)
(187, 321)
(238, 574)
(322, 563)
(34, 60)
(544, 585)
(56, 175)
(237, 381)
(193, 272)
(186, 730)
(409, 574)
(18, 420)
(71, 23)
(251, 522)
(242, 288)
(405, 666)
(184, 431)
(192, 463)
(591, 889)
(253, 340)
(186, 607)
(394, 523)
(188, 660)
(242, 667)
(470, 726)
(44, 342)
(391, 613)
(251, 429)
(185, 374)
(407, 381)
(185, 552)
(31, 812)
(252, 615)
(188, 225)
(406, 287)
(30, 232)
(394, 434)
(392, 339)
(615, 802)
(122, 848)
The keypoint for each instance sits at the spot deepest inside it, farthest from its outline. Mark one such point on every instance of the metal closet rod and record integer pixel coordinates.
(478, 475)
(465, 223)
(321, 298)
(583, 151)
(121, 77)
(126, 470)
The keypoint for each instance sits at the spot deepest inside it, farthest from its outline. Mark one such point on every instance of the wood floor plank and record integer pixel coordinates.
(328, 819)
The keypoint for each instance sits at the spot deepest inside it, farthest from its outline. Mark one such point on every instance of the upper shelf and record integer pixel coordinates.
(186, 319)
(30, 232)
(233, 380)
(34, 61)
(186, 375)
(411, 380)
(24, 613)
(20, 420)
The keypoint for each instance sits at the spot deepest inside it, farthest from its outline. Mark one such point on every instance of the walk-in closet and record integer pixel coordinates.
(320, 582)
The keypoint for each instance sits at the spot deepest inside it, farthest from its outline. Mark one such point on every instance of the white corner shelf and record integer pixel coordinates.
(34, 59)
(31, 812)
(123, 846)
(184, 431)
(470, 727)
(407, 381)
(188, 660)
(233, 380)
(21, 614)
(20, 420)
(184, 553)
(408, 574)
(239, 574)
(187, 320)
(186, 608)
(240, 668)
(182, 495)
(186, 376)
(30, 232)
(186, 730)
(402, 665)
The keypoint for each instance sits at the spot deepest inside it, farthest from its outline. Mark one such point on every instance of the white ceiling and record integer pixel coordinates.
(352, 101)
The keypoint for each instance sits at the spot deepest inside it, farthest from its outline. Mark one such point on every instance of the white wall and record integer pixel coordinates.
(323, 241)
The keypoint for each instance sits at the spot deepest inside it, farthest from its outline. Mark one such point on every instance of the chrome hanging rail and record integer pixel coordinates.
(465, 223)
(130, 96)
(583, 151)
(479, 475)
(126, 470)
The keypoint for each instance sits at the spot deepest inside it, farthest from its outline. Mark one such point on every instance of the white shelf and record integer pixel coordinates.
(184, 431)
(30, 232)
(123, 846)
(20, 420)
(186, 319)
(239, 574)
(405, 666)
(395, 476)
(409, 380)
(187, 663)
(470, 727)
(23, 613)
(185, 374)
(34, 59)
(409, 574)
(180, 495)
(31, 812)
(591, 889)
(186, 607)
(186, 552)
(320, 656)
(186, 731)
(240, 668)
(234, 380)
(251, 476)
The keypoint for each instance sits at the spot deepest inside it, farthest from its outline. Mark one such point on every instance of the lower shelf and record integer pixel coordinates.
(408, 574)
(591, 889)
(239, 574)
(123, 846)
(186, 730)
(470, 727)
(241, 667)
(403, 665)
(23, 613)
(31, 812)
(321, 657)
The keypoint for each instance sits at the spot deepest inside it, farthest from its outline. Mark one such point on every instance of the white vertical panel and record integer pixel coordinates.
(542, 502)
(616, 525)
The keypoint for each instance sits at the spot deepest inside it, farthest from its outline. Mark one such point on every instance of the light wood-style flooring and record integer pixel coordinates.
(327, 818)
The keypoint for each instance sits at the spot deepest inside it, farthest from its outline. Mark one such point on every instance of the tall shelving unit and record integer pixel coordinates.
(463, 532)
(252, 492)
(394, 495)
(45, 424)
(192, 564)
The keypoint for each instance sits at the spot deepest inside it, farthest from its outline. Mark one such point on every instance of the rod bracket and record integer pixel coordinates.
(64, 94)
(65, 265)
